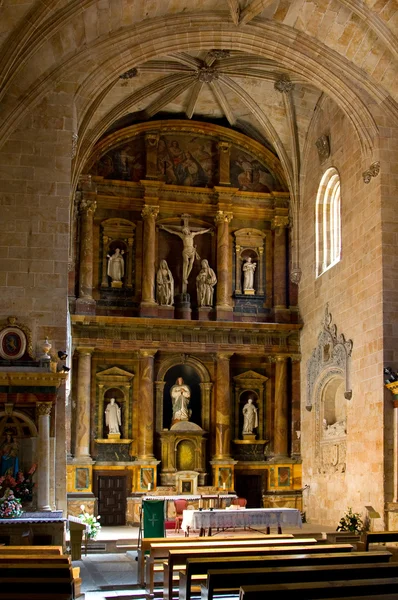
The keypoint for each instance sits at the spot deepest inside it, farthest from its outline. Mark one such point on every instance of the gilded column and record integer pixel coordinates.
(281, 407)
(43, 455)
(105, 241)
(296, 418)
(152, 141)
(85, 302)
(279, 225)
(82, 450)
(223, 407)
(129, 280)
(148, 303)
(223, 306)
(238, 272)
(260, 289)
(145, 434)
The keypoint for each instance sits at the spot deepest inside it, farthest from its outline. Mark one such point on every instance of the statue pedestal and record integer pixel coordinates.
(166, 312)
(183, 306)
(249, 436)
(117, 284)
(248, 292)
(205, 313)
(114, 436)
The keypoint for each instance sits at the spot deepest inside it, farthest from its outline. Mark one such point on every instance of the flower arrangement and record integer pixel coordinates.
(10, 507)
(351, 522)
(91, 521)
(21, 485)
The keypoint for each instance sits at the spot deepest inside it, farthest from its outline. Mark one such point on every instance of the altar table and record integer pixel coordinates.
(246, 517)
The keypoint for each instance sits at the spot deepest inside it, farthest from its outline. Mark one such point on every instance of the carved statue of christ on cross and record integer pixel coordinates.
(189, 253)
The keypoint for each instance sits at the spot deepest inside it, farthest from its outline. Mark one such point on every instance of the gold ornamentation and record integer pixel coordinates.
(224, 147)
(223, 217)
(152, 139)
(150, 210)
(88, 206)
(279, 222)
(43, 408)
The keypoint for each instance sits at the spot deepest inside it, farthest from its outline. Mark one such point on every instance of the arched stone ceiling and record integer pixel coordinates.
(261, 65)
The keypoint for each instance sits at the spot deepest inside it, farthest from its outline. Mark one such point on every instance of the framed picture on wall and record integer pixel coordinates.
(12, 343)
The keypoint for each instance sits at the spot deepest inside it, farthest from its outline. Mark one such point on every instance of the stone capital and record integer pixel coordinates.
(284, 85)
(224, 355)
(150, 353)
(373, 171)
(150, 211)
(84, 350)
(280, 222)
(88, 206)
(224, 147)
(223, 217)
(152, 139)
(43, 408)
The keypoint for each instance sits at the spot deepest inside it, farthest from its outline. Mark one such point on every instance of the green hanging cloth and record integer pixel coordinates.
(153, 512)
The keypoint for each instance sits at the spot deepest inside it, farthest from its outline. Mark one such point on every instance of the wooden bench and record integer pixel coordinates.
(227, 581)
(365, 588)
(177, 558)
(27, 550)
(160, 550)
(146, 544)
(372, 537)
(196, 568)
(46, 577)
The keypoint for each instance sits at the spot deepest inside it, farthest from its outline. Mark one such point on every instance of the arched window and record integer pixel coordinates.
(328, 222)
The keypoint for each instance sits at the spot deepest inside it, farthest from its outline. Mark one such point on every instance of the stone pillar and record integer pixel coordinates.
(148, 303)
(296, 416)
(105, 244)
(85, 304)
(43, 455)
(260, 266)
(129, 267)
(223, 307)
(279, 225)
(151, 142)
(238, 270)
(281, 408)
(145, 435)
(83, 410)
(223, 407)
(224, 156)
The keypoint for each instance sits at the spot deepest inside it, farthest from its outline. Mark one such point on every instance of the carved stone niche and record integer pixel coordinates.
(118, 233)
(114, 383)
(183, 450)
(249, 385)
(249, 243)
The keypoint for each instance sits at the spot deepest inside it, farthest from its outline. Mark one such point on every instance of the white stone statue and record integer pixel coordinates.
(164, 285)
(188, 250)
(250, 417)
(180, 396)
(113, 417)
(205, 282)
(116, 265)
(248, 274)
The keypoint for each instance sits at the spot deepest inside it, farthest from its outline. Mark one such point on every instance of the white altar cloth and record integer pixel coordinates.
(248, 517)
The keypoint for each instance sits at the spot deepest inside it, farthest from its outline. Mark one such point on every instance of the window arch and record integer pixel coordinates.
(328, 221)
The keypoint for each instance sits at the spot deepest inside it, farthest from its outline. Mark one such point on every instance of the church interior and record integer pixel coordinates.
(198, 250)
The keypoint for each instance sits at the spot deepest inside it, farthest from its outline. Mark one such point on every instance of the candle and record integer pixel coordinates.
(224, 486)
(149, 487)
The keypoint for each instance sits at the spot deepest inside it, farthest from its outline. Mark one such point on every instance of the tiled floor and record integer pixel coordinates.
(107, 576)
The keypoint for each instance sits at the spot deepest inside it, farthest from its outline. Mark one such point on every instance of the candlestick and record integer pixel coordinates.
(224, 486)
(149, 487)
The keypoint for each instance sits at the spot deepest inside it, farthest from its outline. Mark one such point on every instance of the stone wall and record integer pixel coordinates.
(353, 290)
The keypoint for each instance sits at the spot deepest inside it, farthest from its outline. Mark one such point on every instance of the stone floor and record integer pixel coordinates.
(108, 575)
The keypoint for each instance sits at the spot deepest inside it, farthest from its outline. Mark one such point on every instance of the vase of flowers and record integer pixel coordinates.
(91, 522)
(10, 507)
(351, 522)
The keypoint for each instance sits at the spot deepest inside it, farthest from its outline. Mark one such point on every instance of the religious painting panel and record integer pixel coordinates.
(283, 476)
(185, 456)
(188, 159)
(249, 174)
(126, 162)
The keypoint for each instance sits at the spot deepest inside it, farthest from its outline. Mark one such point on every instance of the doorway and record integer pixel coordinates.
(250, 487)
(112, 498)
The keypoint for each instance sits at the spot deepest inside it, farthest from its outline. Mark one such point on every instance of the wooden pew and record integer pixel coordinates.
(27, 550)
(47, 578)
(365, 588)
(197, 568)
(147, 542)
(159, 550)
(177, 558)
(227, 581)
(372, 537)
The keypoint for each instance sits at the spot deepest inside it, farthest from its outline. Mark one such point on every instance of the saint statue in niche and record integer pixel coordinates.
(250, 417)
(180, 396)
(116, 265)
(113, 418)
(248, 274)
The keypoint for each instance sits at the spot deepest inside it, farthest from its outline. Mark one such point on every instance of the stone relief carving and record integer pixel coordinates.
(332, 351)
(373, 171)
(323, 147)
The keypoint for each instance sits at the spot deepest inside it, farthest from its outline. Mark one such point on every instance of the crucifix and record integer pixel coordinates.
(189, 253)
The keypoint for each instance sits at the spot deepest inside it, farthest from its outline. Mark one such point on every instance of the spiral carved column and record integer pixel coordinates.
(223, 307)
(281, 407)
(43, 455)
(148, 303)
(85, 303)
(82, 452)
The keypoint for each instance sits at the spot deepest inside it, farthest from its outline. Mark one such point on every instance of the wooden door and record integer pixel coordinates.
(112, 499)
(250, 487)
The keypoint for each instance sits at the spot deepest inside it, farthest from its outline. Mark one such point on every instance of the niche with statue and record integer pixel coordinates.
(249, 270)
(249, 416)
